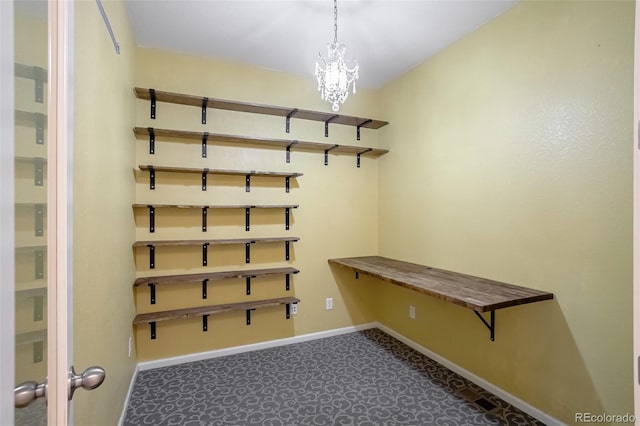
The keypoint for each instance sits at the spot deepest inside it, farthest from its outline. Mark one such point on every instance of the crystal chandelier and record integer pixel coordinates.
(333, 74)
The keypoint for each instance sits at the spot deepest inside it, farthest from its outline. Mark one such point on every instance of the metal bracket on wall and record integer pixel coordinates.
(152, 178)
(248, 285)
(38, 308)
(291, 114)
(247, 252)
(152, 256)
(204, 219)
(287, 310)
(40, 121)
(39, 219)
(38, 351)
(247, 218)
(153, 330)
(152, 140)
(152, 219)
(249, 316)
(152, 293)
(205, 102)
(38, 171)
(360, 125)
(152, 101)
(289, 150)
(326, 154)
(204, 288)
(39, 77)
(205, 136)
(287, 282)
(204, 254)
(491, 326)
(248, 183)
(360, 153)
(39, 264)
(286, 250)
(205, 171)
(286, 217)
(326, 125)
(205, 322)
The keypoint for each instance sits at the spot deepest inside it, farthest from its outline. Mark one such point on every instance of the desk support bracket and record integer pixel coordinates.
(491, 326)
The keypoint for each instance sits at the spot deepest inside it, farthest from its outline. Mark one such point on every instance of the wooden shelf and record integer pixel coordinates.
(287, 144)
(31, 337)
(478, 294)
(213, 276)
(152, 245)
(206, 171)
(204, 208)
(207, 102)
(205, 311)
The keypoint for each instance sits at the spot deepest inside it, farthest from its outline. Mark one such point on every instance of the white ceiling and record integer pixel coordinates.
(387, 37)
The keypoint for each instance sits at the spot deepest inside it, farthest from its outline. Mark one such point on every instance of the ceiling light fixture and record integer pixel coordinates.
(333, 74)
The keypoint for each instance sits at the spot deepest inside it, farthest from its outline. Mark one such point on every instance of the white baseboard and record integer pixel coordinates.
(511, 399)
(500, 393)
(165, 362)
(126, 400)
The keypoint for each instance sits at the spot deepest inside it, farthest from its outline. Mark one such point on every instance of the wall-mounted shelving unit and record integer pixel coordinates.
(152, 245)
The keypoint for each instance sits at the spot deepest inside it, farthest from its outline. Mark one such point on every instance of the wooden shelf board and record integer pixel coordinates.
(30, 72)
(214, 241)
(479, 294)
(218, 171)
(211, 310)
(200, 206)
(26, 117)
(31, 337)
(213, 276)
(295, 145)
(196, 101)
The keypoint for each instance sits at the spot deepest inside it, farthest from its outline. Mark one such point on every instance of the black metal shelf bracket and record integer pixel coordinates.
(287, 282)
(291, 114)
(249, 315)
(152, 219)
(287, 310)
(491, 326)
(287, 181)
(152, 256)
(326, 125)
(286, 217)
(204, 288)
(152, 178)
(204, 253)
(205, 171)
(38, 308)
(39, 264)
(248, 284)
(205, 323)
(38, 171)
(152, 140)
(326, 154)
(247, 252)
(153, 330)
(152, 293)
(205, 136)
(40, 120)
(289, 150)
(247, 218)
(286, 250)
(38, 78)
(39, 216)
(360, 153)
(365, 122)
(204, 219)
(152, 99)
(205, 102)
(248, 183)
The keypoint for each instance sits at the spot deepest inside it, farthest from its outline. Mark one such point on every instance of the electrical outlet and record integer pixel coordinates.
(294, 308)
(328, 304)
(130, 345)
(412, 312)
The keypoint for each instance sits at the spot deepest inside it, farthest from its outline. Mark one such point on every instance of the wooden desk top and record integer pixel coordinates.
(479, 294)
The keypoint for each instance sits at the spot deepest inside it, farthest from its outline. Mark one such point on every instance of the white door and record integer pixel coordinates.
(35, 340)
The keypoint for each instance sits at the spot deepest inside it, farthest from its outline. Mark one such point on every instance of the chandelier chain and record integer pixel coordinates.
(335, 21)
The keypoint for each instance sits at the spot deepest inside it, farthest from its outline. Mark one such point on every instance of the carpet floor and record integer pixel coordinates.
(360, 378)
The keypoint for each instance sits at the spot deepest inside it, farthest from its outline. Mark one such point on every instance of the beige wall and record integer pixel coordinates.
(337, 214)
(510, 159)
(103, 223)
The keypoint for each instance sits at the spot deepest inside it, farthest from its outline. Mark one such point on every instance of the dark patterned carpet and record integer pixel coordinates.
(362, 378)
